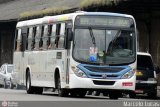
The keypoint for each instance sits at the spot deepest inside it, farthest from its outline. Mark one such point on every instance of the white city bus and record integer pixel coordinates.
(77, 52)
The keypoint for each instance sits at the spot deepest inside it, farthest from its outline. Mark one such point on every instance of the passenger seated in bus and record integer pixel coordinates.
(118, 43)
(33, 45)
(61, 42)
(41, 44)
(118, 48)
(51, 43)
(57, 41)
(18, 48)
(49, 46)
(114, 44)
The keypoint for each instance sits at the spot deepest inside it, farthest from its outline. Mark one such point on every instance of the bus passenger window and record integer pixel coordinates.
(19, 40)
(30, 39)
(49, 36)
(41, 38)
(27, 39)
(51, 41)
(45, 36)
(37, 37)
(61, 36)
(33, 38)
(57, 35)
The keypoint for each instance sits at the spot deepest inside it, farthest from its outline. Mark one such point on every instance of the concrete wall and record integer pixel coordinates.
(143, 40)
(155, 40)
(155, 43)
(6, 46)
(7, 42)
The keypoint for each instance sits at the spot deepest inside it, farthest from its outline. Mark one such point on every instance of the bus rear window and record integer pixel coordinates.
(144, 63)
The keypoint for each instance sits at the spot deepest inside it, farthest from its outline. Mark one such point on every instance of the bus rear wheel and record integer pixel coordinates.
(38, 90)
(11, 86)
(5, 84)
(29, 88)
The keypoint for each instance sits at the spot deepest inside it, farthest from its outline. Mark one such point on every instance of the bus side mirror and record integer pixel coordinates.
(69, 38)
(69, 35)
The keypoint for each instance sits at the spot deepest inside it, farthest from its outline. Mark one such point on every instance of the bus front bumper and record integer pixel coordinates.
(110, 84)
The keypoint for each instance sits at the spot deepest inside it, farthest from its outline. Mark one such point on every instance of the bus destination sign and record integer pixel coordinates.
(109, 21)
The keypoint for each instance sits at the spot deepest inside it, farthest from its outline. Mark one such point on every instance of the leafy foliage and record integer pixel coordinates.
(41, 13)
(88, 3)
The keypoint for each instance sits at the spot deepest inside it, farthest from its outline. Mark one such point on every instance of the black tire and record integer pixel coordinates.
(11, 86)
(61, 92)
(5, 84)
(17, 86)
(38, 90)
(97, 93)
(132, 95)
(1, 86)
(78, 93)
(152, 95)
(105, 94)
(29, 88)
(73, 93)
(82, 93)
(114, 95)
(89, 92)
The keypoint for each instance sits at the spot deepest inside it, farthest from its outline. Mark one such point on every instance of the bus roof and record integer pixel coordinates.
(64, 17)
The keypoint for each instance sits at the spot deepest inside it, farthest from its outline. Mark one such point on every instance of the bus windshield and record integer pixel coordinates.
(104, 45)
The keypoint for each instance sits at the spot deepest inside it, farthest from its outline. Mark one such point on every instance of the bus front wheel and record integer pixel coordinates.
(61, 92)
(82, 93)
(114, 95)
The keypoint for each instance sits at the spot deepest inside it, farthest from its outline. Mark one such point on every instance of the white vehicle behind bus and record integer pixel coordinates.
(7, 76)
(146, 82)
(77, 52)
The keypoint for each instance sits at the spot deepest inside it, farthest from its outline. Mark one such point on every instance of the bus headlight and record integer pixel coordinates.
(78, 72)
(128, 74)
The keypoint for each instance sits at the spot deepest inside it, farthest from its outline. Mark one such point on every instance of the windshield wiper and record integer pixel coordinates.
(92, 36)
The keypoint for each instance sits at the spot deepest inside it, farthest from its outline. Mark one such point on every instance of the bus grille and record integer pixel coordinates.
(103, 69)
(103, 82)
(100, 76)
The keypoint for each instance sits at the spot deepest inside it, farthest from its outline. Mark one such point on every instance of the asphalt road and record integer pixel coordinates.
(21, 95)
(19, 98)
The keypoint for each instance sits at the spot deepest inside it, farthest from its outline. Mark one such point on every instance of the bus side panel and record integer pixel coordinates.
(43, 65)
(56, 59)
(60, 63)
(18, 67)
